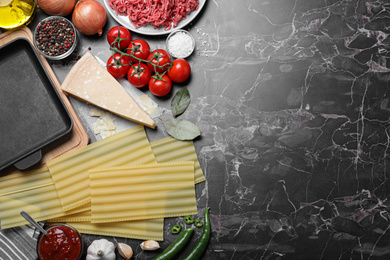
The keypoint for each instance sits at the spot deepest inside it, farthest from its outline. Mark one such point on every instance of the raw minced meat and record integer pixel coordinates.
(159, 13)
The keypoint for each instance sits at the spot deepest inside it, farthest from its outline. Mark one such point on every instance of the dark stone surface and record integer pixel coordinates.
(292, 100)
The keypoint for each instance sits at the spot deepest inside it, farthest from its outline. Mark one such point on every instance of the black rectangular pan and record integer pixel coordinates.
(32, 114)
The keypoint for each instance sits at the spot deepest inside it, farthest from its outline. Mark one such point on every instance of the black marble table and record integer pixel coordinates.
(293, 103)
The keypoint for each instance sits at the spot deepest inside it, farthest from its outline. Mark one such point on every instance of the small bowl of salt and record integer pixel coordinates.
(180, 44)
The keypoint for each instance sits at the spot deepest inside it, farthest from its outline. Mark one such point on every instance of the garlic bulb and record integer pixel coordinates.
(150, 245)
(101, 249)
(125, 251)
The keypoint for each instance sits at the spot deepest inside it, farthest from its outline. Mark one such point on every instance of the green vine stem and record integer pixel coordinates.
(142, 60)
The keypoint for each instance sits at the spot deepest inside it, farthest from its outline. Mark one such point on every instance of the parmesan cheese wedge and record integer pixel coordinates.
(91, 83)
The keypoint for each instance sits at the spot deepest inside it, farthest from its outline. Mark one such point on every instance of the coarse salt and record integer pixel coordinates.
(180, 44)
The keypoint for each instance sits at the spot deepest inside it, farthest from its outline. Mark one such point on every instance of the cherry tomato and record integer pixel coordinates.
(160, 86)
(161, 58)
(118, 66)
(180, 70)
(139, 75)
(140, 49)
(119, 37)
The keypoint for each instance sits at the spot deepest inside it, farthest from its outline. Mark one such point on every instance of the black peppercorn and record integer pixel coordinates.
(54, 36)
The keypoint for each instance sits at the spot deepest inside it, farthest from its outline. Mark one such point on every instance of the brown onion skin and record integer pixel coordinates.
(86, 17)
(56, 7)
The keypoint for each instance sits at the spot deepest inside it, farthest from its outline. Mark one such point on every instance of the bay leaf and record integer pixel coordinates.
(181, 129)
(180, 101)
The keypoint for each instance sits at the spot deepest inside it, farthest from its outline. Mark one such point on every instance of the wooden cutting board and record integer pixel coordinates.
(75, 139)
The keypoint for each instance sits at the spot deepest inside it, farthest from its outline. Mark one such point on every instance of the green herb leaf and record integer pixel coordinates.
(180, 101)
(181, 129)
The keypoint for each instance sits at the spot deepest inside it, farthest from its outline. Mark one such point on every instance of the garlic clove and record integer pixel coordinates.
(150, 245)
(125, 251)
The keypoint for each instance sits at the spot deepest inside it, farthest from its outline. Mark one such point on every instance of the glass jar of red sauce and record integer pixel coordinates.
(62, 242)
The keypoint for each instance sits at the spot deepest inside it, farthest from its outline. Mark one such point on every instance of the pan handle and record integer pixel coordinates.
(29, 160)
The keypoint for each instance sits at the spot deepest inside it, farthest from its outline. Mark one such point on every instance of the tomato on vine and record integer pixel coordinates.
(118, 65)
(119, 37)
(138, 48)
(159, 58)
(139, 75)
(160, 85)
(180, 70)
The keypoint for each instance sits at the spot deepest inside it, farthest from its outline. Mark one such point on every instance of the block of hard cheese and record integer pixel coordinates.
(90, 82)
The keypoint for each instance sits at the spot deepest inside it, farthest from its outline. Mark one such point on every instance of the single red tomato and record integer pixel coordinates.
(139, 75)
(119, 37)
(138, 48)
(118, 65)
(180, 70)
(161, 58)
(160, 85)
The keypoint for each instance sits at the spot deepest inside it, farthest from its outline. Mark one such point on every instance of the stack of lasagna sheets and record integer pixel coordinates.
(121, 186)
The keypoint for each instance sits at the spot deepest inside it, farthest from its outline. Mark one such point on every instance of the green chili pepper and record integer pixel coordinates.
(175, 229)
(188, 220)
(176, 246)
(198, 223)
(204, 239)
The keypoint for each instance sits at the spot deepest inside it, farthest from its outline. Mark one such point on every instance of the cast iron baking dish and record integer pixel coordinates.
(32, 114)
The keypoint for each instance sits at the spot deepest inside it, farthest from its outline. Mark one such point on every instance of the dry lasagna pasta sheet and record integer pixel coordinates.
(62, 193)
(70, 171)
(146, 191)
(170, 149)
(138, 229)
(33, 192)
(82, 214)
(167, 149)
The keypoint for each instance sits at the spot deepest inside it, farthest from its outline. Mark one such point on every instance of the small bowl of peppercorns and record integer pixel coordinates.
(55, 37)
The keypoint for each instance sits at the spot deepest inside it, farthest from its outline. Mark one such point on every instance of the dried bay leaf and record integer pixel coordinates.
(180, 101)
(181, 129)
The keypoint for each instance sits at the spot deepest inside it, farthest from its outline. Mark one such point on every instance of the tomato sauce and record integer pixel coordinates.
(61, 242)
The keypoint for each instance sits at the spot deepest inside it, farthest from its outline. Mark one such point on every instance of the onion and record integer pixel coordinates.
(89, 17)
(56, 7)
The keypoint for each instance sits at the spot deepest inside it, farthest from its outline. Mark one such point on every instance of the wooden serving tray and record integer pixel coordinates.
(77, 137)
